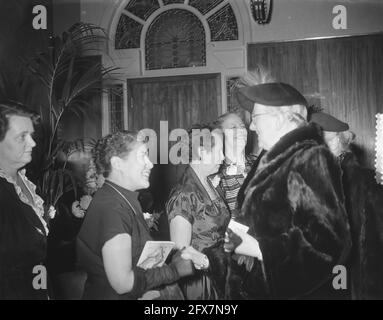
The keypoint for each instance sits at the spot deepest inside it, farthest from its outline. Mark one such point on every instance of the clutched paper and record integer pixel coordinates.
(237, 227)
(155, 254)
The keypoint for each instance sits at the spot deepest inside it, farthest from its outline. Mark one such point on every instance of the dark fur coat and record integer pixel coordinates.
(364, 203)
(294, 205)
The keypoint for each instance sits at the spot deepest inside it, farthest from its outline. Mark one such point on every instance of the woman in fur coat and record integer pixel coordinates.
(364, 204)
(294, 204)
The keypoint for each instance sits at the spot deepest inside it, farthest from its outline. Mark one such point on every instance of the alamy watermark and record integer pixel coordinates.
(339, 281)
(187, 147)
(40, 279)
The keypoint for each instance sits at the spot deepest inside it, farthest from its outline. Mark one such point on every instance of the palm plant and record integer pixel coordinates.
(68, 75)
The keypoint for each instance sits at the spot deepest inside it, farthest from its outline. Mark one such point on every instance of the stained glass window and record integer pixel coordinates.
(175, 39)
(142, 8)
(116, 108)
(172, 1)
(204, 6)
(223, 25)
(128, 33)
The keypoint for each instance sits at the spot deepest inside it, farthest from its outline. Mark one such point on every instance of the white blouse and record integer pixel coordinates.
(38, 205)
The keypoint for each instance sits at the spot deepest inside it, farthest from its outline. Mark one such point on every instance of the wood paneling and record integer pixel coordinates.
(342, 75)
(182, 101)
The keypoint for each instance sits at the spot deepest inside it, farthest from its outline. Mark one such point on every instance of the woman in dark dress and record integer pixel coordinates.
(197, 214)
(114, 231)
(23, 231)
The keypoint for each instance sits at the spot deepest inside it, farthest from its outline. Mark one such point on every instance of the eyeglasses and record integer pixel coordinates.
(258, 115)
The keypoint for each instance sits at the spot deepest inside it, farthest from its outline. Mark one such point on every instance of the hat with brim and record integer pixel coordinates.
(328, 122)
(276, 94)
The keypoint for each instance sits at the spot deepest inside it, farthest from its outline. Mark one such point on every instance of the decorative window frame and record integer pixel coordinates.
(152, 18)
(139, 53)
(106, 105)
(132, 61)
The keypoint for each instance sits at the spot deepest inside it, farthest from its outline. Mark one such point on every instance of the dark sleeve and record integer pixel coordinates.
(243, 190)
(117, 220)
(301, 259)
(180, 204)
(17, 237)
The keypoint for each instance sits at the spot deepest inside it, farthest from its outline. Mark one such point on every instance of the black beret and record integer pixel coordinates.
(276, 94)
(328, 123)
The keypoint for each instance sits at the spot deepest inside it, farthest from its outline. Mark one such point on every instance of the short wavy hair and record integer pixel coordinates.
(118, 144)
(10, 108)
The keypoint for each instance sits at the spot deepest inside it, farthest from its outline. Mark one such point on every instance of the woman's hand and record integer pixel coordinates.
(200, 260)
(184, 267)
(232, 241)
(242, 243)
(150, 295)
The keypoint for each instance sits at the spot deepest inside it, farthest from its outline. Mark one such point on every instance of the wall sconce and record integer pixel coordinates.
(261, 10)
(379, 149)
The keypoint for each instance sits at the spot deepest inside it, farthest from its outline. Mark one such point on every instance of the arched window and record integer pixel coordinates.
(175, 39)
(204, 6)
(223, 25)
(128, 33)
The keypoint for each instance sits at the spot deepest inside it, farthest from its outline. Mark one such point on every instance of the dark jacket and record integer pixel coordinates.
(294, 205)
(364, 203)
(22, 247)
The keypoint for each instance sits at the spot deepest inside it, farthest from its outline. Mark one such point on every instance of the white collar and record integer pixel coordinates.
(38, 201)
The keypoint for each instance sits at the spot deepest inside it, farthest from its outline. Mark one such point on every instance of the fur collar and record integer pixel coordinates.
(298, 139)
(310, 131)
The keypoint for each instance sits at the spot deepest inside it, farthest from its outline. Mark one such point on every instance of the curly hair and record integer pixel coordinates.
(12, 108)
(118, 144)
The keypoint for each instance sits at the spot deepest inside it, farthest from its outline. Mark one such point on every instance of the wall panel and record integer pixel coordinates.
(342, 75)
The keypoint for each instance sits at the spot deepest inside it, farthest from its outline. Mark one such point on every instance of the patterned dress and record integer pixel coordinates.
(209, 219)
(229, 181)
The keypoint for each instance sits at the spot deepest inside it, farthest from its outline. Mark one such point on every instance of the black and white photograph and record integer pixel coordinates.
(201, 153)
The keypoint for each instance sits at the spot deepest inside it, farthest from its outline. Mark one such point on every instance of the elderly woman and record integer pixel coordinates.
(364, 204)
(336, 133)
(23, 231)
(197, 214)
(293, 204)
(114, 231)
(236, 164)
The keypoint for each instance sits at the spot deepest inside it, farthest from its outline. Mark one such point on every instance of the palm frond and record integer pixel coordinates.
(69, 75)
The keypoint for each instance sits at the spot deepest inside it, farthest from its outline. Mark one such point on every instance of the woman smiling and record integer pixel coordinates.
(114, 231)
